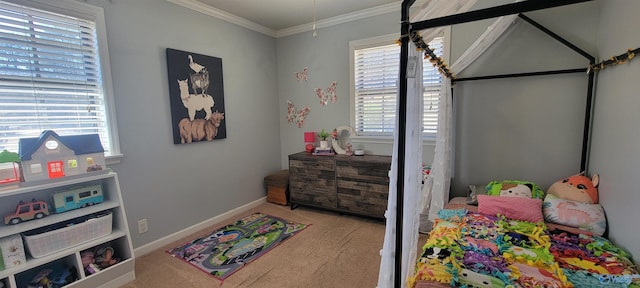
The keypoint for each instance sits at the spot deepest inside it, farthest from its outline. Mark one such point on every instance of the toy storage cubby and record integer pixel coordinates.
(114, 276)
(24, 278)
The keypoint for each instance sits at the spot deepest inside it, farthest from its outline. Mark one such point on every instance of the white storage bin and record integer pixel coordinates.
(48, 240)
(11, 252)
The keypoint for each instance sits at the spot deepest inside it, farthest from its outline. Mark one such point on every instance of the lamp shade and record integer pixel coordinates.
(309, 137)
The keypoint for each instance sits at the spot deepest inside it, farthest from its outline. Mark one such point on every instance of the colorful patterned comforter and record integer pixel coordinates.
(467, 249)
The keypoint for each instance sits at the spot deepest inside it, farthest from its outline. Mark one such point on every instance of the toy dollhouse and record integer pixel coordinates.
(52, 156)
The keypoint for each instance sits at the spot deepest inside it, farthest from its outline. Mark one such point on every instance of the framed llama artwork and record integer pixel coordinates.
(196, 97)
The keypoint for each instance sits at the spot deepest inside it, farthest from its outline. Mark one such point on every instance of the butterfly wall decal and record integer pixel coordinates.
(302, 76)
(330, 94)
(296, 117)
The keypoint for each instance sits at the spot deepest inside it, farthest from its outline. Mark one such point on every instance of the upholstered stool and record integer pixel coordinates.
(278, 187)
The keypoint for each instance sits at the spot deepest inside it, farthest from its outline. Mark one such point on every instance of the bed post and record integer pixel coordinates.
(584, 165)
(402, 130)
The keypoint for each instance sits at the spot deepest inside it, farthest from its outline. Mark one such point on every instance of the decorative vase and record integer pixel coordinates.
(324, 144)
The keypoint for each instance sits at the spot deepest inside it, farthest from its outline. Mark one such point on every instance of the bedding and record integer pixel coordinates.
(470, 249)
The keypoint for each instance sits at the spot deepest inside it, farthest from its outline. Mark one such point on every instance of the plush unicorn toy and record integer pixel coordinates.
(577, 188)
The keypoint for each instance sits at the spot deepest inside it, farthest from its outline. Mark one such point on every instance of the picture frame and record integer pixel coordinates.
(196, 97)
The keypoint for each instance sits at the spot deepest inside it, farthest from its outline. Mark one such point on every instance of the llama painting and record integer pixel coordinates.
(196, 96)
(195, 102)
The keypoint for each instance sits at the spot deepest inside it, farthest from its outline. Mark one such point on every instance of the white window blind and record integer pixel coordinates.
(376, 75)
(50, 76)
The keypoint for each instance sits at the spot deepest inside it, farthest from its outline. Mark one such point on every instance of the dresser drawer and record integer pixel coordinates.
(309, 196)
(370, 172)
(312, 165)
(363, 197)
(313, 182)
(365, 189)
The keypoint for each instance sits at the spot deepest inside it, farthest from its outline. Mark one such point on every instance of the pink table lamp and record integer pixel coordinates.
(310, 139)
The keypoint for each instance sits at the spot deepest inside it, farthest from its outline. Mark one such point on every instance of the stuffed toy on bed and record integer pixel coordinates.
(578, 188)
(573, 201)
(515, 188)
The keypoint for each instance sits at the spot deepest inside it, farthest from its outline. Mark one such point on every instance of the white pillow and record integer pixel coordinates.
(588, 217)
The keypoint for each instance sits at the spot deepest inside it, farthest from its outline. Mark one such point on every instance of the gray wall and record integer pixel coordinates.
(616, 141)
(177, 186)
(327, 58)
(527, 128)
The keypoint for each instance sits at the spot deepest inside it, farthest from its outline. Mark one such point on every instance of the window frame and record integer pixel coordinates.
(428, 138)
(95, 14)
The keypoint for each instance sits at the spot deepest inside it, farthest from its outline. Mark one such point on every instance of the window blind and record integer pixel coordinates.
(376, 76)
(432, 86)
(50, 77)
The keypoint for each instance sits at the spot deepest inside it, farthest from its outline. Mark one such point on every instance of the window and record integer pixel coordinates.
(54, 72)
(36, 168)
(375, 65)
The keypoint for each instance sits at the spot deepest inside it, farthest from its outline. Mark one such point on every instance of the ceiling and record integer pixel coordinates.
(275, 17)
(281, 14)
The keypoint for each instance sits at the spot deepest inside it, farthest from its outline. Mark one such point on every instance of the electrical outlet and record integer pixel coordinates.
(142, 226)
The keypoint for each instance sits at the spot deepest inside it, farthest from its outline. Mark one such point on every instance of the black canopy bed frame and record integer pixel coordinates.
(409, 30)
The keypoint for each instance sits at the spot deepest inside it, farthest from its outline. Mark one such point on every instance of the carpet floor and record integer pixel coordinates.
(335, 251)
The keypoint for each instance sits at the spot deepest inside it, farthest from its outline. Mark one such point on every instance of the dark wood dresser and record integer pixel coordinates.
(350, 184)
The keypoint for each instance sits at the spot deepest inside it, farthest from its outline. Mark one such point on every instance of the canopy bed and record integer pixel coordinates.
(406, 201)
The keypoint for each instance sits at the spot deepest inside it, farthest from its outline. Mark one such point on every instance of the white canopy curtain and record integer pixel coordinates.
(431, 198)
(412, 181)
(438, 195)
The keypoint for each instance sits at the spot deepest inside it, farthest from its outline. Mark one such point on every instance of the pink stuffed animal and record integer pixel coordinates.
(578, 188)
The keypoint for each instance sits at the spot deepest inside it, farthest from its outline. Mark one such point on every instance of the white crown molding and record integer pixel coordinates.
(370, 12)
(217, 13)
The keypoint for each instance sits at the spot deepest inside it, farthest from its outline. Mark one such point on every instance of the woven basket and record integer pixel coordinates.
(75, 232)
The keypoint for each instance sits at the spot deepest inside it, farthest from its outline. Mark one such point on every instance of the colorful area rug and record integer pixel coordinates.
(228, 249)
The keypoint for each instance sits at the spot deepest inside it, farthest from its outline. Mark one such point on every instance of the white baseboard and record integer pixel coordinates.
(148, 248)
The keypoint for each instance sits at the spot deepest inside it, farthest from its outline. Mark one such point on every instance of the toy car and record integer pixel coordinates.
(35, 209)
(77, 198)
